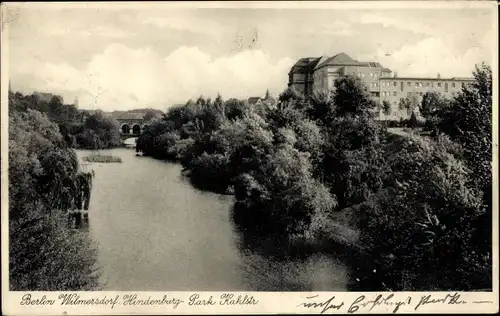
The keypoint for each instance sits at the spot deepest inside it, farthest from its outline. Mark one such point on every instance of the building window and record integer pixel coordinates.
(409, 93)
(428, 84)
(395, 84)
(359, 74)
(394, 93)
(409, 84)
(453, 85)
(363, 75)
(439, 84)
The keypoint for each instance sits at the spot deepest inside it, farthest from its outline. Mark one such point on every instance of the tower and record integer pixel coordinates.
(75, 103)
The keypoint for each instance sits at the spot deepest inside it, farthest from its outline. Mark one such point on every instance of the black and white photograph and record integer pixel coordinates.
(244, 148)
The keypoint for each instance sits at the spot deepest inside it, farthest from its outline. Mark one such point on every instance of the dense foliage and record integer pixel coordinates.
(45, 253)
(80, 129)
(409, 212)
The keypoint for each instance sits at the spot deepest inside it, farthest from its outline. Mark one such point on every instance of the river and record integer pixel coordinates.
(155, 232)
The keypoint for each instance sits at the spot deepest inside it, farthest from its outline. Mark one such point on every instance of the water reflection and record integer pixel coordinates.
(156, 232)
(276, 264)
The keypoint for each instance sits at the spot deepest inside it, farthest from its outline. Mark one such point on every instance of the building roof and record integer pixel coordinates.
(386, 70)
(304, 65)
(432, 79)
(370, 64)
(47, 97)
(462, 78)
(253, 100)
(341, 59)
(129, 116)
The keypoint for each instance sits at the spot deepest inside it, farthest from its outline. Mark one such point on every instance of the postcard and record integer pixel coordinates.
(249, 157)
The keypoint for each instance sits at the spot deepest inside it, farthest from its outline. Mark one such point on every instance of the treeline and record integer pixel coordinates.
(408, 213)
(80, 129)
(45, 252)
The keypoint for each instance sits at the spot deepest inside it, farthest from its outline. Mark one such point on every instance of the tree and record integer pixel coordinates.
(149, 115)
(386, 108)
(419, 231)
(44, 253)
(413, 120)
(350, 96)
(290, 94)
(431, 103)
(405, 104)
(219, 105)
(268, 95)
(235, 108)
(105, 129)
(468, 122)
(353, 160)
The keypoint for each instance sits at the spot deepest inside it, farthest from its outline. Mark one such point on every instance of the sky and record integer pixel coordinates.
(120, 58)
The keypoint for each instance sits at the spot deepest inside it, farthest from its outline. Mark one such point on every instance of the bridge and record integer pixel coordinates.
(131, 125)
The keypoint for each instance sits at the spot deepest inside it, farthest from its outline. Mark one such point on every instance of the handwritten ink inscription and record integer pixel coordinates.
(326, 305)
(379, 300)
(449, 299)
(363, 303)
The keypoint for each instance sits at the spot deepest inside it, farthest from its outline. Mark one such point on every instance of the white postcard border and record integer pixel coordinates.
(264, 302)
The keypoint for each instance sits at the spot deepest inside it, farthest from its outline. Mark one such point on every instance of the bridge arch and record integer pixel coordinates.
(125, 128)
(136, 129)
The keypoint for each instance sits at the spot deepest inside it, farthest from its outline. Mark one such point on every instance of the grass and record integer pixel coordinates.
(102, 158)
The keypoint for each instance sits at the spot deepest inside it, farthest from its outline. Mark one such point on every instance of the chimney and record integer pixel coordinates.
(395, 74)
(439, 75)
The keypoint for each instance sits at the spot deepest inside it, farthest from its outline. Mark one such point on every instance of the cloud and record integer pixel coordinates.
(102, 31)
(183, 22)
(433, 55)
(125, 78)
(401, 22)
(339, 28)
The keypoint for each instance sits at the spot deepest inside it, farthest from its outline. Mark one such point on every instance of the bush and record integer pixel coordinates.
(44, 254)
(102, 158)
(419, 231)
(211, 171)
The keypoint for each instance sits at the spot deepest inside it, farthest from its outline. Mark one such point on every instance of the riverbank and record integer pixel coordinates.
(147, 217)
(298, 168)
(102, 158)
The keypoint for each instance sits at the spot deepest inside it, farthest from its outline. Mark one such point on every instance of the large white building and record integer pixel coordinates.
(318, 74)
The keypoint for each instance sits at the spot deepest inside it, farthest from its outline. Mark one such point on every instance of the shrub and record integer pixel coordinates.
(44, 254)
(419, 231)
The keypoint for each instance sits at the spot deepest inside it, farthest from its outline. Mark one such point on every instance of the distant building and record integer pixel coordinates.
(318, 74)
(267, 100)
(255, 100)
(46, 97)
(130, 122)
